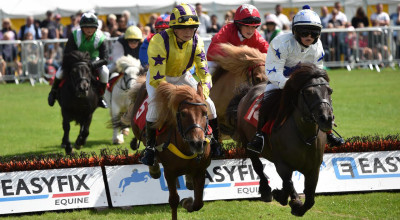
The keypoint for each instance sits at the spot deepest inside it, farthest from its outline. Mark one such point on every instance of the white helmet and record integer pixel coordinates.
(307, 17)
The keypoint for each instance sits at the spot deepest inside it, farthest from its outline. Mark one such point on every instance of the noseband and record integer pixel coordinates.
(126, 80)
(183, 132)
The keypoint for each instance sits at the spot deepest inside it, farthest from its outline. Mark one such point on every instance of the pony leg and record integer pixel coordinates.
(173, 194)
(198, 185)
(310, 184)
(83, 133)
(65, 141)
(287, 185)
(264, 188)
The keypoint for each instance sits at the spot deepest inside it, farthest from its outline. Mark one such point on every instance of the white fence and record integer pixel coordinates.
(371, 48)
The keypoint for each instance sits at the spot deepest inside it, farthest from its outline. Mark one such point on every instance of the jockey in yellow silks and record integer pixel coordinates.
(172, 53)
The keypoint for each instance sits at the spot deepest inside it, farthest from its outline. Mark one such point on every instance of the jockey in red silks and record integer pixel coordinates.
(242, 32)
(161, 24)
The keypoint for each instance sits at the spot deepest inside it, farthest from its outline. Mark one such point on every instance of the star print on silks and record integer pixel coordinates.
(271, 70)
(202, 55)
(278, 54)
(158, 59)
(322, 56)
(205, 68)
(158, 76)
(208, 85)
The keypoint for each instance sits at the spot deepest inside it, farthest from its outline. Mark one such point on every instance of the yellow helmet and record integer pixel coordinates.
(184, 15)
(133, 33)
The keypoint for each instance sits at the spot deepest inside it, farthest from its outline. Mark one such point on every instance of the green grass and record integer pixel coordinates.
(365, 103)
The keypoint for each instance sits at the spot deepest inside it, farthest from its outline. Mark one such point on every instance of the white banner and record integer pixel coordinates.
(42, 190)
(233, 179)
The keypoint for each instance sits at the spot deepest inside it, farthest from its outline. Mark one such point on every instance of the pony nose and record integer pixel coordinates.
(197, 146)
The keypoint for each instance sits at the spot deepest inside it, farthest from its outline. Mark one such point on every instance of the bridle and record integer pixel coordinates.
(183, 131)
(251, 71)
(126, 81)
(75, 80)
(309, 115)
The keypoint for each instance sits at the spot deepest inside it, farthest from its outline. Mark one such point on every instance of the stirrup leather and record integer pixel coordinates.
(257, 144)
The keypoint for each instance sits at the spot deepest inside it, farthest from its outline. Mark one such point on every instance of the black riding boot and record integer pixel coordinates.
(216, 149)
(102, 103)
(51, 99)
(150, 151)
(256, 145)
(333, 140)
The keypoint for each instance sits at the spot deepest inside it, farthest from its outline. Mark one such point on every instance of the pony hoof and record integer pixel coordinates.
(266, 196)
(117, 142)
(63, 145)
(295, 203)
(155, 171)
(68, 150)
(279, 197)
(77, 146)
(188, 204)
(297, 208)
(125, 132)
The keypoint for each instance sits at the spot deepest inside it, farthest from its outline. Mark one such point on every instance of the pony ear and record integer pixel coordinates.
(200, 89)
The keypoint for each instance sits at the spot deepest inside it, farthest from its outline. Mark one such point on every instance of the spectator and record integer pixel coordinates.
(146, 31)
(9, 56)
(395, 17)
(50, 53)
(59, 26)
(6, 26)
(127, 15)
(339, 37)
(380, 18)
(205, 21)
(228, 17)
(51, 26)
(340, 15)
(272, 30)
(360, 17)
(284, 22)
(112, 25)
(74, 25)
(122, 26)
(334, 19)
(324, 16)
(215, 27)
(32, 54)
(127, 44)
(152, 21)
(161, 25)
(31, 28)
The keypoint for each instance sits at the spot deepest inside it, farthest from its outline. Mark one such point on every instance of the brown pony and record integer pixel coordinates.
(240, 64)
(183, 113)
(303, 113)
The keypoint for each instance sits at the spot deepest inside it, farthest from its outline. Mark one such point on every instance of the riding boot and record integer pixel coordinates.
(150, 151)
(51, 99)
(216, 148)
(256, 145)
(333, 140)
(102, 88)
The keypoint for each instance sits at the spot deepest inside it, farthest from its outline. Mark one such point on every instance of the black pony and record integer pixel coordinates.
(77, 96)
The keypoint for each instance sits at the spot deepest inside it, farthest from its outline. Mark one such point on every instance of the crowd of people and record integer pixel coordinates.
(338, 46)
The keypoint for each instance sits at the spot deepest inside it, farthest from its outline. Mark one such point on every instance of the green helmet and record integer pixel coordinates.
(89, 19)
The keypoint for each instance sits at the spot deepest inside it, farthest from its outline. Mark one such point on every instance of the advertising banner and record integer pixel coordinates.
(42, 190)
(235, 179)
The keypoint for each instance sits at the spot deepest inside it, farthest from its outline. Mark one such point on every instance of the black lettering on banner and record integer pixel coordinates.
(208, 176)
(251, 171)
(81, 182)
(230, 172)
(363, 165)
(38, 186)
(21, 186)
(61, 182)
(71, 183)
(217, 173)
(398, 158)
(48, 183)
(242, 171)
(378, 165)
(395, 168)
(5, 188)
(349, 169)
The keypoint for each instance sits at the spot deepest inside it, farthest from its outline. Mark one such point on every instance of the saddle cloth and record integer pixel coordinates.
(113, 81)
(252, 115)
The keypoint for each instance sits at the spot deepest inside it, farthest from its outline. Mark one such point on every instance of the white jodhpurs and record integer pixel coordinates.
(103, 73)
(212, 66)
(185, 79)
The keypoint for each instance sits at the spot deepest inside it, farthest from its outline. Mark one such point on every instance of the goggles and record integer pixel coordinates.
(305, 33)
(185, 18)
(162, 23)
(133, 41)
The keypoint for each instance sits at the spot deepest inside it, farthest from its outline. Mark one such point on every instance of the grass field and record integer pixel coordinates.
(365, 103)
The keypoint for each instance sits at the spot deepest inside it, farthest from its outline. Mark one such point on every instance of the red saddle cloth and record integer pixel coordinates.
(140, 118)
(252, 115)
(113, 81)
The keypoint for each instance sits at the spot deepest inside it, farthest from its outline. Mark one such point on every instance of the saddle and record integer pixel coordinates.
(113, 80)
(252, 115)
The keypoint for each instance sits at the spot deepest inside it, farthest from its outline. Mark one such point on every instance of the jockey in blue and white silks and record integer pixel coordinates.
(285, 53)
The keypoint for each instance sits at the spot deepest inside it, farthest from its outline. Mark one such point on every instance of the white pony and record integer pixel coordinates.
(129, 71)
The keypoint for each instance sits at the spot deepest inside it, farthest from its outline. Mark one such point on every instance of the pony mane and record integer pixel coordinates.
(73, 57)
(168, 97)
(237, 59)
(281, 103)
(125, 62)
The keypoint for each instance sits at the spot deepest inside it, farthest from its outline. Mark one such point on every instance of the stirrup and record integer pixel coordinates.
(149, 156)
(257, 144)
(102, 103)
